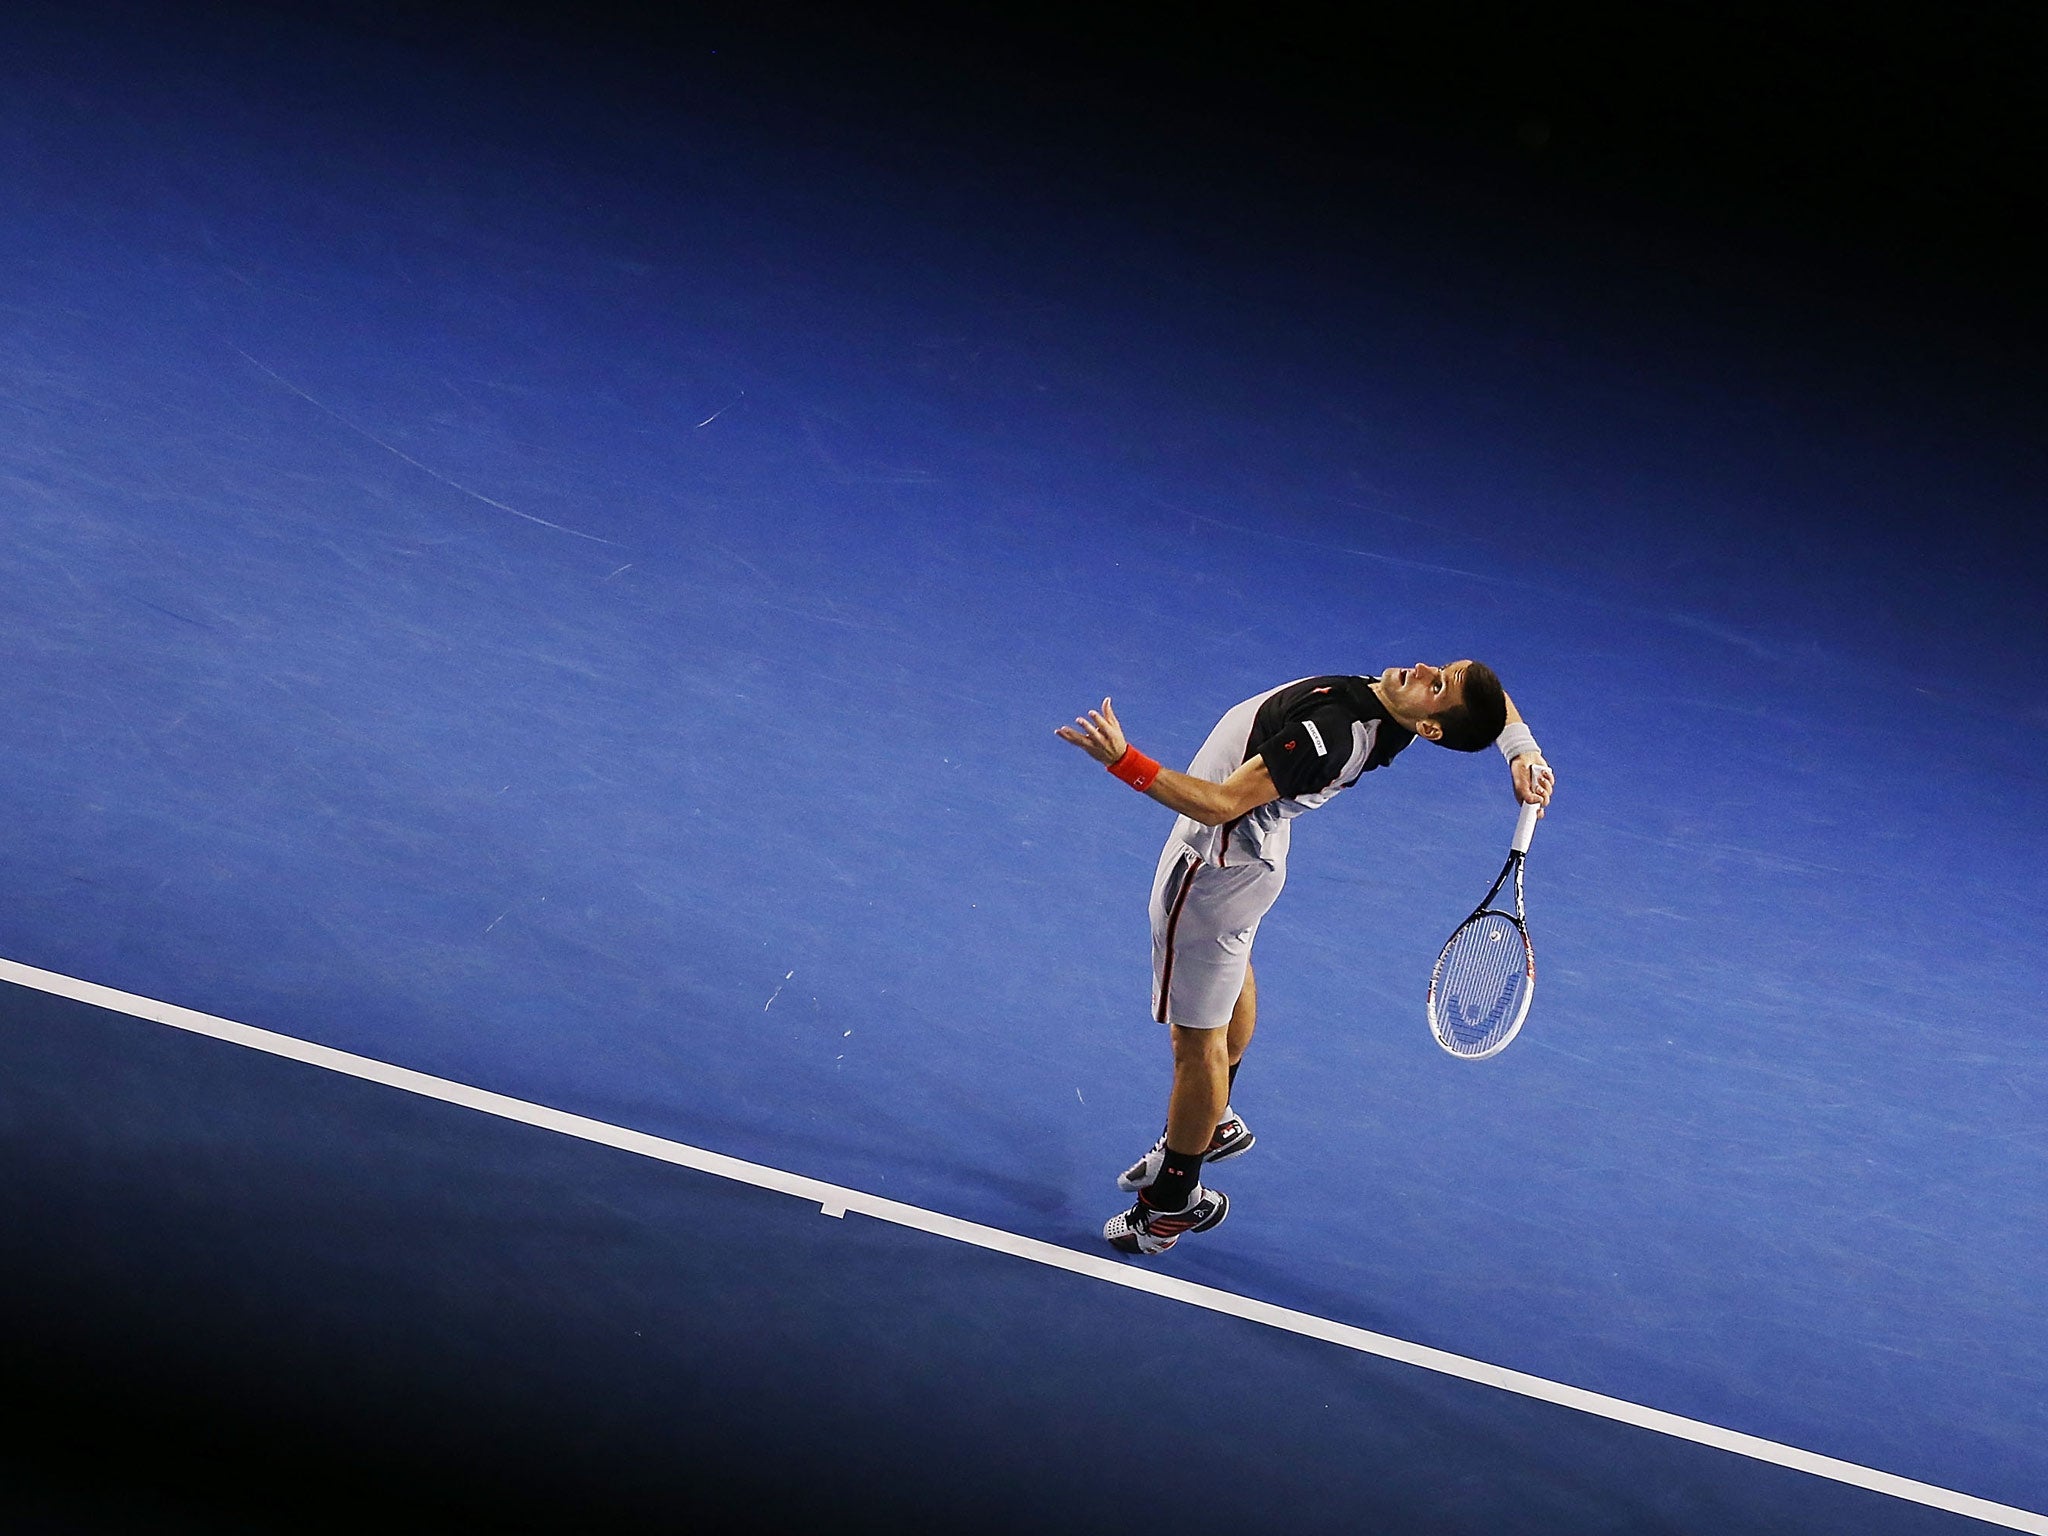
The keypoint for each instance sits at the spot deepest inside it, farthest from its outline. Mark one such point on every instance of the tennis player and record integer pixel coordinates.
(1268, 760)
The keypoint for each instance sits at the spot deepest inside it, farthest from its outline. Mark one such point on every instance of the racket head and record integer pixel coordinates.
(1484, 981)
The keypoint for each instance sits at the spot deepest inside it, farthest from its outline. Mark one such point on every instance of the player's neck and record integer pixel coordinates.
(1393, 710)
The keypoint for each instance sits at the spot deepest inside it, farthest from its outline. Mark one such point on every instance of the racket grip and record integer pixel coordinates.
(1525, 828)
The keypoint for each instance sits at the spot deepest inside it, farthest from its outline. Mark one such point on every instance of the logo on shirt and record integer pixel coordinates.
(1315, 736)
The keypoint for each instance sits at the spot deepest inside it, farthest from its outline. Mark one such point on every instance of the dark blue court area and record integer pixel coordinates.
(548, 552)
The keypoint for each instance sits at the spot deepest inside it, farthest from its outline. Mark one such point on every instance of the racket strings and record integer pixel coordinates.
(1481, 983)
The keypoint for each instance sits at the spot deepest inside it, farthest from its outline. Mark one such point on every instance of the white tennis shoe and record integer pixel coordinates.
(1143, 1230)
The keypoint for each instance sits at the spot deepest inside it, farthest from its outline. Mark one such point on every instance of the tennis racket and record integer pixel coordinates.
(1485, 978)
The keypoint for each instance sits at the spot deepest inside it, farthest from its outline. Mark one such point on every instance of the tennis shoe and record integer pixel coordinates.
(1230, 1137)
(1143, 1230)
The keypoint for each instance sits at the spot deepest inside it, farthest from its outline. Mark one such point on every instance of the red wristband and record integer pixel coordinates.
(1135, 768)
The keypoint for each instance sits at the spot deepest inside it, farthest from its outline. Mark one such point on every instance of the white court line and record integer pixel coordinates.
(835, 1200)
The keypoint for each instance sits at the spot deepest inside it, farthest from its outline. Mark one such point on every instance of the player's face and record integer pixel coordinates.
(1415, 693)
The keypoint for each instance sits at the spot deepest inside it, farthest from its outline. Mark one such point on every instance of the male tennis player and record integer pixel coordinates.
(1271, 758)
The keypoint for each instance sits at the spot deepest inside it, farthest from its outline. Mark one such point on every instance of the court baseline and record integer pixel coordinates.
(836, 1200)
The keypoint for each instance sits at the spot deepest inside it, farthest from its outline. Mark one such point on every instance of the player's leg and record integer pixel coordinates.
(1231, 1135)
(1201, 1087)
(1225, 1133)
(1175, 1202)
(1196, 981)
(1244, 1016)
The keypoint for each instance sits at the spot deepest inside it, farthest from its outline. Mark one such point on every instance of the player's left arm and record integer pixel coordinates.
(1535, 783)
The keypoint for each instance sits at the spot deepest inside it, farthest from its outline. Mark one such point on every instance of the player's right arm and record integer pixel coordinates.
(1101, 736)
(1533, 779)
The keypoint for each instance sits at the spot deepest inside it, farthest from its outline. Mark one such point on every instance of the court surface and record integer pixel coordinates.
(572, 600)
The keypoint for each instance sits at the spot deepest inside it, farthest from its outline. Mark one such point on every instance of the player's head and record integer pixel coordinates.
(1461, 706)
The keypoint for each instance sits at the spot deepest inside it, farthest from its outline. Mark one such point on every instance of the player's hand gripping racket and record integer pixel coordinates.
(1484, 980)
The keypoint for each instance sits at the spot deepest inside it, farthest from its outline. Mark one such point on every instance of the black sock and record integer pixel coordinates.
(1174, 1189)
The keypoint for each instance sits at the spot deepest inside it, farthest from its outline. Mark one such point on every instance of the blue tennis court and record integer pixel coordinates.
(566, 587)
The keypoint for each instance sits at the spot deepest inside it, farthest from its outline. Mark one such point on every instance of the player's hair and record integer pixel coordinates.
(1476, 723)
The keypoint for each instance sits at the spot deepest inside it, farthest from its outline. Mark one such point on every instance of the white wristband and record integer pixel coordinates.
(1515, 741)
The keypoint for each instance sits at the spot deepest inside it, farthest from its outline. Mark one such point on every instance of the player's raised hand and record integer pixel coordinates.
(1534, 782)
(1097, 733)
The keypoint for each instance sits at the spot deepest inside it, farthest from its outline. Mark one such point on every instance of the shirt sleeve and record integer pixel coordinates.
(1306, 755)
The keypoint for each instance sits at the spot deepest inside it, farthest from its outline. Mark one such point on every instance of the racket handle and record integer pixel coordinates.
(1525, 828)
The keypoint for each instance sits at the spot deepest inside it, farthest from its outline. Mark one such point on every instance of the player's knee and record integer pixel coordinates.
(1200, 1045)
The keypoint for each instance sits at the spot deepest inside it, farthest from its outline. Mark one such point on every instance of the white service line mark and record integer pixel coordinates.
(835, 1200)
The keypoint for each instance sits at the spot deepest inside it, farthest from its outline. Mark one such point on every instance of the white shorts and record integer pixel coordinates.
(1203, 921)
